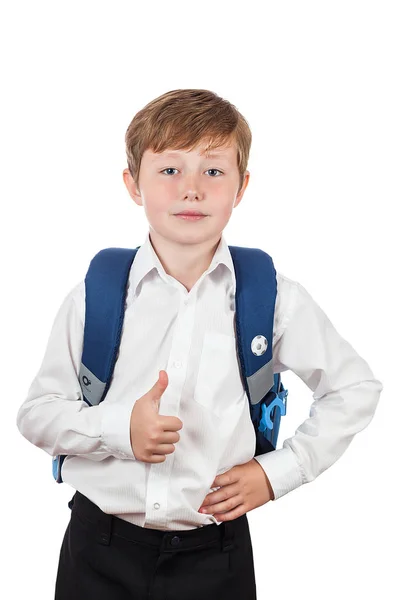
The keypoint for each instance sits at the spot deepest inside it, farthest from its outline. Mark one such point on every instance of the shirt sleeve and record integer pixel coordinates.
(344, 389)
(54, 416)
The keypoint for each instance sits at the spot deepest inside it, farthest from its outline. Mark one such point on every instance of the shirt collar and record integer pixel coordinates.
(146, 260)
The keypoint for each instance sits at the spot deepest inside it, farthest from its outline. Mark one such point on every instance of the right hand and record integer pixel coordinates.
(153, 435)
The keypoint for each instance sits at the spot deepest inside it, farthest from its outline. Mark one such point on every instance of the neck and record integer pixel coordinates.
(185, 262)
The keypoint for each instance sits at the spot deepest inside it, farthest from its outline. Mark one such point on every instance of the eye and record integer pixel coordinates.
(215, 170)
(173, 169)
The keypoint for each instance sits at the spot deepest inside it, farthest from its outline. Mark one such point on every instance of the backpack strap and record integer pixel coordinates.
(106, 286)
(256, 290)
(105, 290)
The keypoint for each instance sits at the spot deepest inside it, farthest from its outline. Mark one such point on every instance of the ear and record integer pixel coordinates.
(244, 186)
(131, 186)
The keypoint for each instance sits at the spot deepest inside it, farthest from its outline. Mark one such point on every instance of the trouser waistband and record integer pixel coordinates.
(105, 525)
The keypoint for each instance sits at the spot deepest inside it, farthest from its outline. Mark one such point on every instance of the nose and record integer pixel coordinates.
(191, 187)
(192, 195)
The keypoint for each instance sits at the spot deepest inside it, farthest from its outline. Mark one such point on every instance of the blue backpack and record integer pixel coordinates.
(256, 287)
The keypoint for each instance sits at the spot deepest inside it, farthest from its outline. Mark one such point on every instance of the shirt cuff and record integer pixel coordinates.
(282, 469)
(115, 429)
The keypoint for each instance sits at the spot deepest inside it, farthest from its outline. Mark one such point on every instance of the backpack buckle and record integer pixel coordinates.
(280, 402)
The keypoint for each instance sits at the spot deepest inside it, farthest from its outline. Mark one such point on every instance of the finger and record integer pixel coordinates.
(226, 505)
(223, 493)
(231, 514)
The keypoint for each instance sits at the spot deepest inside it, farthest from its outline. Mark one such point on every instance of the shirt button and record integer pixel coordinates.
(177, 364)
(156, 505)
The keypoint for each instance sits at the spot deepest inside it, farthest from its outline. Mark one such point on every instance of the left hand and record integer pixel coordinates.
(242, 488)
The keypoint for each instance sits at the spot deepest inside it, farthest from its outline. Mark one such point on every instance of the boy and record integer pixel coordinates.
(164, 468)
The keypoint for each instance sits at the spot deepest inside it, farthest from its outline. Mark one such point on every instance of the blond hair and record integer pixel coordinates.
(180, 119)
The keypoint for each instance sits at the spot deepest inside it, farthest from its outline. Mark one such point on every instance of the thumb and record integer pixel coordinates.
(160, 386)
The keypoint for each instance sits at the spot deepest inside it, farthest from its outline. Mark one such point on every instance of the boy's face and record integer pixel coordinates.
(179, 180)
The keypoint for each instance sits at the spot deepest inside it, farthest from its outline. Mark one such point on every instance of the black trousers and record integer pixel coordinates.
(106, 558)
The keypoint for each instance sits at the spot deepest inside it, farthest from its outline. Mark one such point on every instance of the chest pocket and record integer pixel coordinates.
(219, 387)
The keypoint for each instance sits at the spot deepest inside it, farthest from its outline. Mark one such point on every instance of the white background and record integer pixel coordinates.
(318, 83)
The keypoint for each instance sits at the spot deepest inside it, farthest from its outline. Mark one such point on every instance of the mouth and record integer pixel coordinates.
(191, 215)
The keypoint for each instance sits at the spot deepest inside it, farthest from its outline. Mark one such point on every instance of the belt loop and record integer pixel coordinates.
(227, 536)
(104, 528)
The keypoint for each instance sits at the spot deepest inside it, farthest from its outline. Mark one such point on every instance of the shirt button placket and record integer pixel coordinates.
(159, 476)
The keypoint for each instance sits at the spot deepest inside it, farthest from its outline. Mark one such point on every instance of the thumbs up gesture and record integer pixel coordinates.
(153, 435)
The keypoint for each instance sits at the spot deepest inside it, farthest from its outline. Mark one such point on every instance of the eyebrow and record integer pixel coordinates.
(217, 155)
(175, 154)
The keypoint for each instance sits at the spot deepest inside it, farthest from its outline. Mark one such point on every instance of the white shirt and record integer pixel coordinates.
(191, 336)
